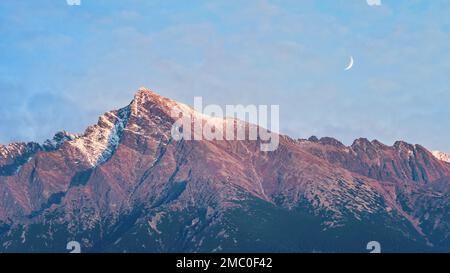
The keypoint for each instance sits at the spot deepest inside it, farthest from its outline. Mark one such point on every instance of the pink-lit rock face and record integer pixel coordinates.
(126, 172)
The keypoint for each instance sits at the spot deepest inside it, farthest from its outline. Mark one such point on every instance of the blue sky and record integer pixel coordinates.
(61, 66)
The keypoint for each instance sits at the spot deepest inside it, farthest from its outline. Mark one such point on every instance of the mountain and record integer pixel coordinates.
(126, 185)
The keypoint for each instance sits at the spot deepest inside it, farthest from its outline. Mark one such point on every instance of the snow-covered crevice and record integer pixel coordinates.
(23, 162)
(115, 135)
(100, 141)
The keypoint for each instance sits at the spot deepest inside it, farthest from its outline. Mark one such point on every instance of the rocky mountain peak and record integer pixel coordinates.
(403, 146)
(331, 141)
(14, 155)
(58, 140)
(145, 100)
(361, 142)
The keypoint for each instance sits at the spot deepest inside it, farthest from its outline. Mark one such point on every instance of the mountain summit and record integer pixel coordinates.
(126, 185)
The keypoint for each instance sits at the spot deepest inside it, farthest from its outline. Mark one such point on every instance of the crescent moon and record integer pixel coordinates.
(350, 65)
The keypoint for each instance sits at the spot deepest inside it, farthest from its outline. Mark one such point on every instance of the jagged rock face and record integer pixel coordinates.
(58, 140)
(13, 156)
(400, 162)
(127, 185)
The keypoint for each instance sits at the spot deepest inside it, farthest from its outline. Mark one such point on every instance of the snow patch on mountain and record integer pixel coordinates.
(14, 156)
(100, 141)
(441, 156)
(11, 150)
(115, 135)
